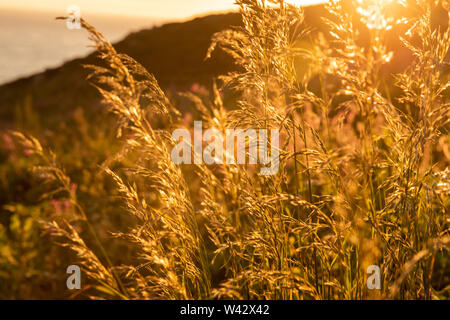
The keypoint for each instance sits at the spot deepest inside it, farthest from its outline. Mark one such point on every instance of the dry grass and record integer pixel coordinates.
(361, 179)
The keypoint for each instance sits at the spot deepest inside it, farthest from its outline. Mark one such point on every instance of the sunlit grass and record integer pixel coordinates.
(363, 178)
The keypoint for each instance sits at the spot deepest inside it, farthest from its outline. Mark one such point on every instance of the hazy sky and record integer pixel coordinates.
(150, 8)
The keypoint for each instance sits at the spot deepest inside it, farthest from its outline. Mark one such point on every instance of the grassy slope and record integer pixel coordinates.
(174, 53)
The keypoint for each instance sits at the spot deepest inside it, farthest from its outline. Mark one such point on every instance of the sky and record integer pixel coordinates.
(174, 9)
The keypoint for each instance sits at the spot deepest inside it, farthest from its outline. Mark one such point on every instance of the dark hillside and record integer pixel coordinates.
(174, 53)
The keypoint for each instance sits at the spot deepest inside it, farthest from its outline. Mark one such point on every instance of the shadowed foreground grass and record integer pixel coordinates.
(363, 176)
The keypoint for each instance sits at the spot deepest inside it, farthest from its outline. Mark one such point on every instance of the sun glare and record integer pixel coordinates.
(302, 3)
(379, 14)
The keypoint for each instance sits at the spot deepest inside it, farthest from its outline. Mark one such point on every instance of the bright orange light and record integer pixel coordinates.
(301, 3)
(377, 14)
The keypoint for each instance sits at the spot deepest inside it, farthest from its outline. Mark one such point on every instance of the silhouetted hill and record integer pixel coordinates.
(174, 53)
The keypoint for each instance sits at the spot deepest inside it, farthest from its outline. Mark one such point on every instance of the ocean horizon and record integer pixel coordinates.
(33, 41)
